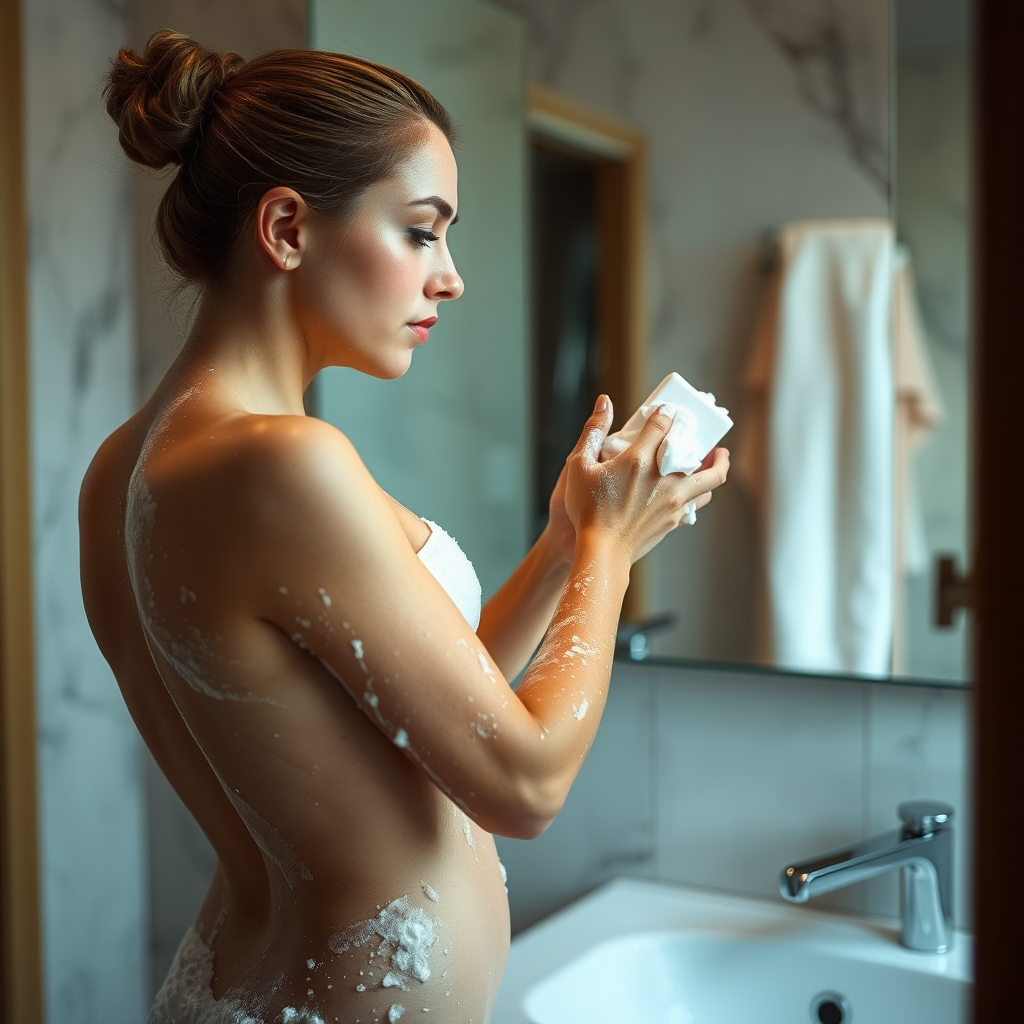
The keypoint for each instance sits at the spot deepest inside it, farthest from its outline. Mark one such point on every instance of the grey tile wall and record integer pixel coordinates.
(718, 779)
(753, 772)
(918, 745)
(606, 827)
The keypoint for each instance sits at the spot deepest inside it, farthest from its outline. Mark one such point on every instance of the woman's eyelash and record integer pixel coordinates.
(422, 237)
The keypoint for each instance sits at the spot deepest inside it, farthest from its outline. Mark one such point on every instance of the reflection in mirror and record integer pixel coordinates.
(933, 221)
(564, 240)
(810, 268)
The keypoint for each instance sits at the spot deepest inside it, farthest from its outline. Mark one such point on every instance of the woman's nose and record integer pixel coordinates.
(447, 285)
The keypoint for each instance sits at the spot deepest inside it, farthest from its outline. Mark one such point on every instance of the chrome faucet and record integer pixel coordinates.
(922, 849)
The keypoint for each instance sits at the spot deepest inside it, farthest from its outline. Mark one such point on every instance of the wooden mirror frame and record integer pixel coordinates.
(20, 955)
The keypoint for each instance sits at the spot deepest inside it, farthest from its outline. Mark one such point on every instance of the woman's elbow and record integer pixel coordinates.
(533, 808)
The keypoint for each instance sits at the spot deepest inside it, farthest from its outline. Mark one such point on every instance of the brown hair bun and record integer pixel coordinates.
(324, 124)
(159, 99)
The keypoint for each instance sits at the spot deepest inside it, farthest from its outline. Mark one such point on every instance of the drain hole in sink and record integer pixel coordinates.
(830, 1008)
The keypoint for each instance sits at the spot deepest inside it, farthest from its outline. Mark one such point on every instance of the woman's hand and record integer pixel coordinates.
(627, 496)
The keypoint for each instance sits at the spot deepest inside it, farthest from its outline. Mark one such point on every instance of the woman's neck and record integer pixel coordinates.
(246, 343)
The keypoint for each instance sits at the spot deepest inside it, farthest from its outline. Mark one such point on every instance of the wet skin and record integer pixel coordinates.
(273, 633)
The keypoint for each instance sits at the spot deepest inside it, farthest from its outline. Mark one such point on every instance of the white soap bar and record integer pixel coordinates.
(698, 424)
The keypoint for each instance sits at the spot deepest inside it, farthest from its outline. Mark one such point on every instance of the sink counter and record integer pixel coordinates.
(686, 940)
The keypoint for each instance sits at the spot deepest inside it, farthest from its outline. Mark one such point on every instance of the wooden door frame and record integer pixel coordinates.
(618, 152)
(999, 492)
(20, 955)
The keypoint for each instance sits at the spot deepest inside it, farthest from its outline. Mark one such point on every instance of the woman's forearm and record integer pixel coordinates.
(514, 621)
(566, 686)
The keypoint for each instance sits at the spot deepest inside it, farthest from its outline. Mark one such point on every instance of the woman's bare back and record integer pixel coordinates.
(347, 882)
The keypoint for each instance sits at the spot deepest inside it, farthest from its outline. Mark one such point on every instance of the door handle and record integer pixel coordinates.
(953, 590)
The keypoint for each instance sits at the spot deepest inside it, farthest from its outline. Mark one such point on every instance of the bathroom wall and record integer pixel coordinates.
(719, 779)
(91, 800)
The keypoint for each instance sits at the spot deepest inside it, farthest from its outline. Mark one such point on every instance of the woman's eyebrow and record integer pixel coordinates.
(443, 208)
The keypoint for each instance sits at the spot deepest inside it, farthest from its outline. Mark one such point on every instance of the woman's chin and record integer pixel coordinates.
(391, 369)
(396, 368)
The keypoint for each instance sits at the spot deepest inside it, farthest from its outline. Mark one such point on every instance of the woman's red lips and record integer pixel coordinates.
(422, 327)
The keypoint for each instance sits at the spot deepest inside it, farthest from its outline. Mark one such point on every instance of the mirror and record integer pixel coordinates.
(802, 255)
(933, 220)
(810, 267)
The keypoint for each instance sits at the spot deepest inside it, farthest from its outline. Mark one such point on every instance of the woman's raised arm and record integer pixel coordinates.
(348, 588)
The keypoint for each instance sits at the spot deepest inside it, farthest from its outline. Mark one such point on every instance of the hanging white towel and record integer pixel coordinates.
(819, 449)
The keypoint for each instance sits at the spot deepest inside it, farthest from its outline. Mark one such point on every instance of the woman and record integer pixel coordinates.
(302, 654)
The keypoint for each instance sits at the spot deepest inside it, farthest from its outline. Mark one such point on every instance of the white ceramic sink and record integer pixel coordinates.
(638, 951)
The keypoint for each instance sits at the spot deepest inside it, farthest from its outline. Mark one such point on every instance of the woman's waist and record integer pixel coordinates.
(412, 925)
(338, 874)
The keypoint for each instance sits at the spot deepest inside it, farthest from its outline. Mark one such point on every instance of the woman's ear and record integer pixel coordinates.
(279, 218)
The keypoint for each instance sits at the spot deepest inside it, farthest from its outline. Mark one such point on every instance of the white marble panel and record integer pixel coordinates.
(606, 827)
(919, 747)
(752, 772)
(80, 315)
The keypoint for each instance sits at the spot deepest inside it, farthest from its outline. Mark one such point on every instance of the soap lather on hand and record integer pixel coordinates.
(698, 424)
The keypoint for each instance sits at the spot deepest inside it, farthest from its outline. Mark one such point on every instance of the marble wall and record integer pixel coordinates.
(91, 801)
(719, 778)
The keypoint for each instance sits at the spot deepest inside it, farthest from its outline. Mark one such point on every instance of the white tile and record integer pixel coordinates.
(919, 746)
(605, 827)
(754, 772)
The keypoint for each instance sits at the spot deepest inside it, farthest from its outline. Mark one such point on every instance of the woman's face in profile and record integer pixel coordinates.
(374, 282)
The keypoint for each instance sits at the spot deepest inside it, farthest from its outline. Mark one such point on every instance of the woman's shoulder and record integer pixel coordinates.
(286, 443)
(273, 473)
(243, 450)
